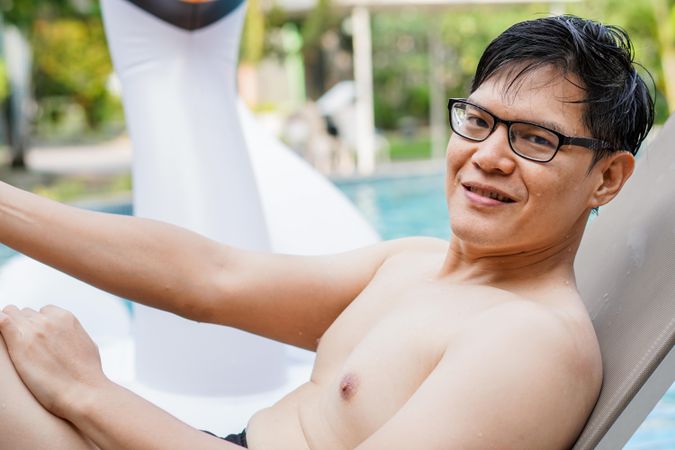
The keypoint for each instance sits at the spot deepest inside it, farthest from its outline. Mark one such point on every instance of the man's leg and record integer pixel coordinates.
(24, 423)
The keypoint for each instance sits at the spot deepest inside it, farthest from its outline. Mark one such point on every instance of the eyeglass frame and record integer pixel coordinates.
(586, 142)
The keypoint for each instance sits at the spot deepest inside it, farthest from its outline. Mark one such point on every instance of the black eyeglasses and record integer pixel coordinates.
(527, 140)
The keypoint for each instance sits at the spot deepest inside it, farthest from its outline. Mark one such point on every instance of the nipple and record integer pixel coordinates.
(348, 386)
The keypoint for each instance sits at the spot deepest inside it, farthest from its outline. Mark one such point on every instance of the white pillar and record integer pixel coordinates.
(363, 77)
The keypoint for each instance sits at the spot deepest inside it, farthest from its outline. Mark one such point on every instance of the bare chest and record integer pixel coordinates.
(382, 348)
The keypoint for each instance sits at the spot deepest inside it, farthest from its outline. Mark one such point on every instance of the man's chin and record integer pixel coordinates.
(488, 236)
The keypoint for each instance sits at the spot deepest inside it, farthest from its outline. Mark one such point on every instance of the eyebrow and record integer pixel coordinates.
(552, 125)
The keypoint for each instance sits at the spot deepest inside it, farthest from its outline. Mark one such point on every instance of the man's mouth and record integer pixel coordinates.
(488, 193)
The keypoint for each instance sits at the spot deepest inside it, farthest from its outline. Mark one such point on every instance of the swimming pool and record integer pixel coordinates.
(415, 205)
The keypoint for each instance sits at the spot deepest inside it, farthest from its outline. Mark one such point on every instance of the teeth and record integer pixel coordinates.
(492, 195)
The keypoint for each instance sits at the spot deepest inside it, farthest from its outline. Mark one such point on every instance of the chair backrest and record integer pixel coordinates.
(626, 275)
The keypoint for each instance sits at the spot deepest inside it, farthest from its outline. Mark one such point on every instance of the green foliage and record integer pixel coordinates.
(71, 60)
(639, 19)
(253, 38)
(401, 148)
(401, 65)
(319, 20)
(22, 13)
(401, 61)
(664, 13)
(4, 87)
(70, 57)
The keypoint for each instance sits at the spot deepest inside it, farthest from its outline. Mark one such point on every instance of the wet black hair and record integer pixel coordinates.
(619, 108)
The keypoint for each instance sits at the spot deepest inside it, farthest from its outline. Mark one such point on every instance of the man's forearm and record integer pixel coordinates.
(115, 418)
(147, 261)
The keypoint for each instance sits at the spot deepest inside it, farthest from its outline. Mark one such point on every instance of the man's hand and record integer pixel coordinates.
(61, 366)
(52, 354)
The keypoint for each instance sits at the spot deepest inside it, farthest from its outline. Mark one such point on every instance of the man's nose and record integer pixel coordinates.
(494, 154)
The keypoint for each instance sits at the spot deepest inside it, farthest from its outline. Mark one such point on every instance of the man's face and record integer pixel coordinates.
(547, 200)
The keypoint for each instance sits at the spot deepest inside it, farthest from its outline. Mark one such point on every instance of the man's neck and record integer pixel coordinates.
(475, 264)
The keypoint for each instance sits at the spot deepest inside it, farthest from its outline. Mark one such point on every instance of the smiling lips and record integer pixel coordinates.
(486, 195)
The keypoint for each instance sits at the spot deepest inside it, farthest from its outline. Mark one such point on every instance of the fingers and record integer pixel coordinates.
(48, 310)
(31, 315)
(15, 322)
(21, 315)
(52, 309)
(8, 327)
(56, 312)
(11, 310)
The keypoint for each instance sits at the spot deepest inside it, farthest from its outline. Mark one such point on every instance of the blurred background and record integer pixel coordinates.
(301, 65)
(308, 69)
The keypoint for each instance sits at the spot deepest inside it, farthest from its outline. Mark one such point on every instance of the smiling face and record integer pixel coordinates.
(501, 201)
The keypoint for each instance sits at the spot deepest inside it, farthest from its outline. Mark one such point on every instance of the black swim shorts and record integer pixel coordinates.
(239, 439)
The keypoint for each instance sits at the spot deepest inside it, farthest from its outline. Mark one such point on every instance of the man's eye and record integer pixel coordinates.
(477, 121)
(540, 140)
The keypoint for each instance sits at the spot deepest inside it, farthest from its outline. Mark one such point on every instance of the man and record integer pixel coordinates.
(482, 342)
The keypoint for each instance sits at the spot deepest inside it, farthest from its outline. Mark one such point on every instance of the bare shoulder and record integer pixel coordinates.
(566, 336)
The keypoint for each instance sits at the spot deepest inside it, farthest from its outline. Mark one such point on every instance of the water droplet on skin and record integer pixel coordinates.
(567, 282)
(538, 194)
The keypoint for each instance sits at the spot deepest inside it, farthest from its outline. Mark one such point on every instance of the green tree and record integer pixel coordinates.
(253, 37)
(319, 20)
(70, 55)
(71, 59)
(643, 21)
(664, 13)
(400, 54)
(400, 61)
(22, 13)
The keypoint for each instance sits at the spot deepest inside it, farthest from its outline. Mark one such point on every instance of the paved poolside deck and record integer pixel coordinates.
(114, 157)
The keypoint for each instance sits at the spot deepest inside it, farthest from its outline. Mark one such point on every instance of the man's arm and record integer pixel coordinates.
(514, 380)
(288, 298)
(115, 418)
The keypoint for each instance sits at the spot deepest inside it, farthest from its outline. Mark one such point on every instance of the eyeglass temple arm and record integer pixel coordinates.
(591, 143)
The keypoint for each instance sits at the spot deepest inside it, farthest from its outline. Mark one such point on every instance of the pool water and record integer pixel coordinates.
(415, 205)
(402, 206)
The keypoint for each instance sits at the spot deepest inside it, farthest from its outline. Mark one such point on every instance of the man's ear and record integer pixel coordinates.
(614, 171)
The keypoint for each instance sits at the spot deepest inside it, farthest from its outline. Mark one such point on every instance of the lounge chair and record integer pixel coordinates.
(626, 275)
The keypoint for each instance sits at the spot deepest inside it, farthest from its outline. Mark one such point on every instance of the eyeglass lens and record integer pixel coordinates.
(530, 141)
